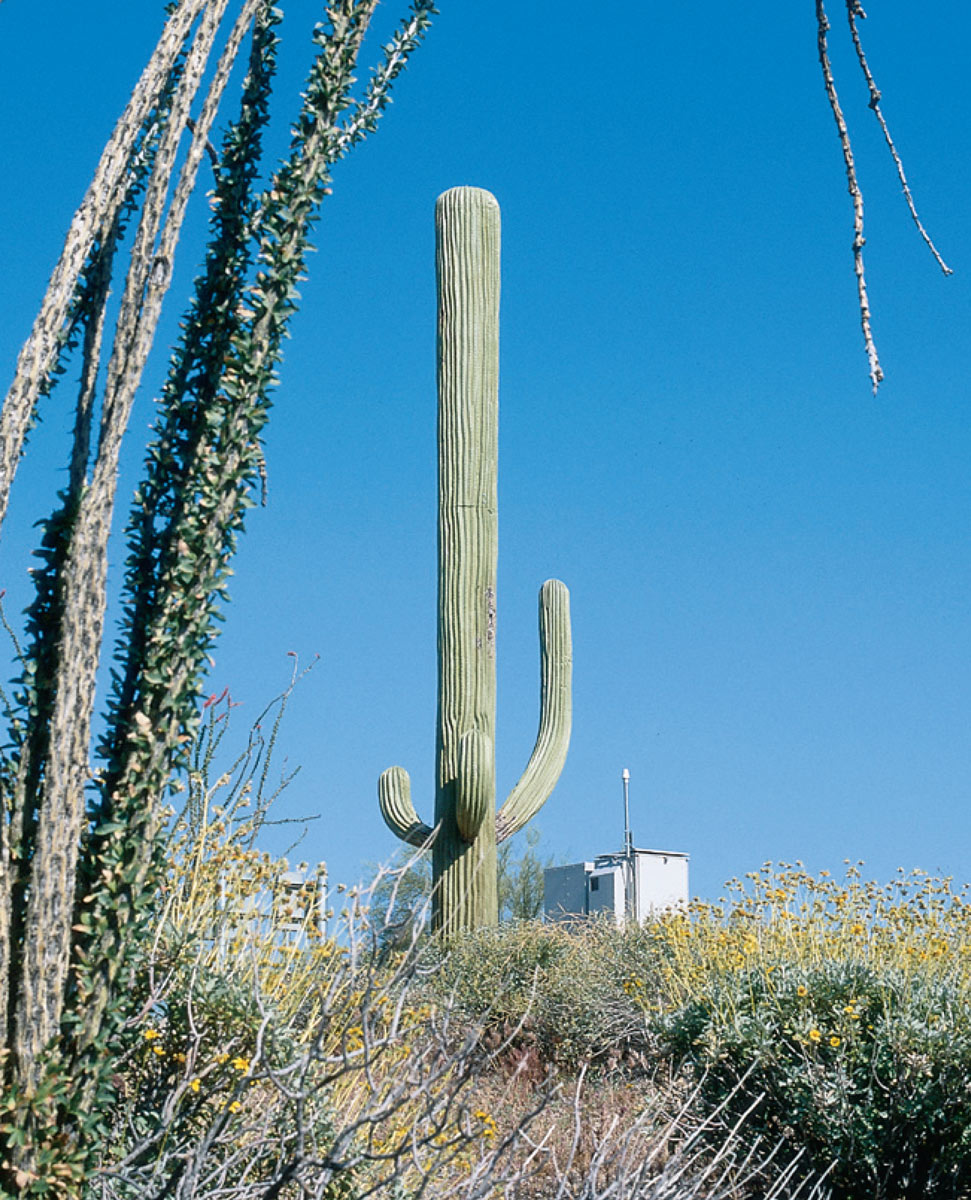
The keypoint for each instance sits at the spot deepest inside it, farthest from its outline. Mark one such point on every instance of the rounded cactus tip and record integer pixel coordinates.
(554, 587)
(467, 195)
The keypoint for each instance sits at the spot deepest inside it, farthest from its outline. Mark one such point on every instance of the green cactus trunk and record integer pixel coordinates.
(467, 827)
(467, 265)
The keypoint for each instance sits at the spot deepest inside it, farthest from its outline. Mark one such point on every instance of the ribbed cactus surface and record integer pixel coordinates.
(467, 827)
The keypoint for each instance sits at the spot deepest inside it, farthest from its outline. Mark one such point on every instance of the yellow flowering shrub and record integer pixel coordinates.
(846, 1006)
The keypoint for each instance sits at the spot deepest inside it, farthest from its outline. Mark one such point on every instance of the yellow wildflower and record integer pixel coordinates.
(195, 1085)
(241, 1064)
(151, 1034)
(834, 1040)
(489, 1126)
(802, 990)
(815, 1035)
(159, 1051)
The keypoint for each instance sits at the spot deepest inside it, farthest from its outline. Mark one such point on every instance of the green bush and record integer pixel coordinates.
(869, 1071)
(574, 993)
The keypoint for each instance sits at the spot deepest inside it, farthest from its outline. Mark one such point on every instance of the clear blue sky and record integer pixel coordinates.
(770, 569)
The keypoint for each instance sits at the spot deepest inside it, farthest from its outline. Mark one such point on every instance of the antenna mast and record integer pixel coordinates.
(628, 839)
(629, 851)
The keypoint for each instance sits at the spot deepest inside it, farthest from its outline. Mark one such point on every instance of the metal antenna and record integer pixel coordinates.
(628, 839)
(631, 882)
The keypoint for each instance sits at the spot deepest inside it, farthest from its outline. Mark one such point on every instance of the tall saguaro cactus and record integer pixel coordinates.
(467, 827)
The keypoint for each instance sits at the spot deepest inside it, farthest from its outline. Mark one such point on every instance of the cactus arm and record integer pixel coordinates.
(475, 784)
(556, 713)
(394, 799)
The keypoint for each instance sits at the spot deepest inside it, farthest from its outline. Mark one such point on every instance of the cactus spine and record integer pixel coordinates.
(467, 827)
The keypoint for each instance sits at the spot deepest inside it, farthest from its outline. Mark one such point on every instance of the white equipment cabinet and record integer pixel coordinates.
(639, 885)
(632, 885)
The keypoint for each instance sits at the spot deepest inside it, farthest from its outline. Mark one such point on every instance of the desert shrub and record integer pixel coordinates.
(575, 993)
(869, 1071)
(847, 1007)
(804, 1035)
(217, 1004)
(327, 1066)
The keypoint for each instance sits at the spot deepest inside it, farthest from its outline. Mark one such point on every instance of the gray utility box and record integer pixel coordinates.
(637, 885)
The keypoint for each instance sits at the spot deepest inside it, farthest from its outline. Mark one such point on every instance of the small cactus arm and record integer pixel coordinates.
(394, 798)
(555, 713)
(467, 828)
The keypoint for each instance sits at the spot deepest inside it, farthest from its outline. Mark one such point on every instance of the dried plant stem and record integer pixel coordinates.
(854, 9)
(822, 28)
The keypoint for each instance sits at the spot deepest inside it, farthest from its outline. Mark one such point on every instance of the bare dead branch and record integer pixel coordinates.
(822, 28)
(854, 9)
(855, 13)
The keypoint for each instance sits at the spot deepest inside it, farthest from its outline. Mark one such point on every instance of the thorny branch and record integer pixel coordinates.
(854, 10)
(823, 27)
(95, 215)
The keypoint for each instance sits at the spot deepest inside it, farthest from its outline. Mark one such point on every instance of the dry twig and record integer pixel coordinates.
(854, 10)
(823, 27)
